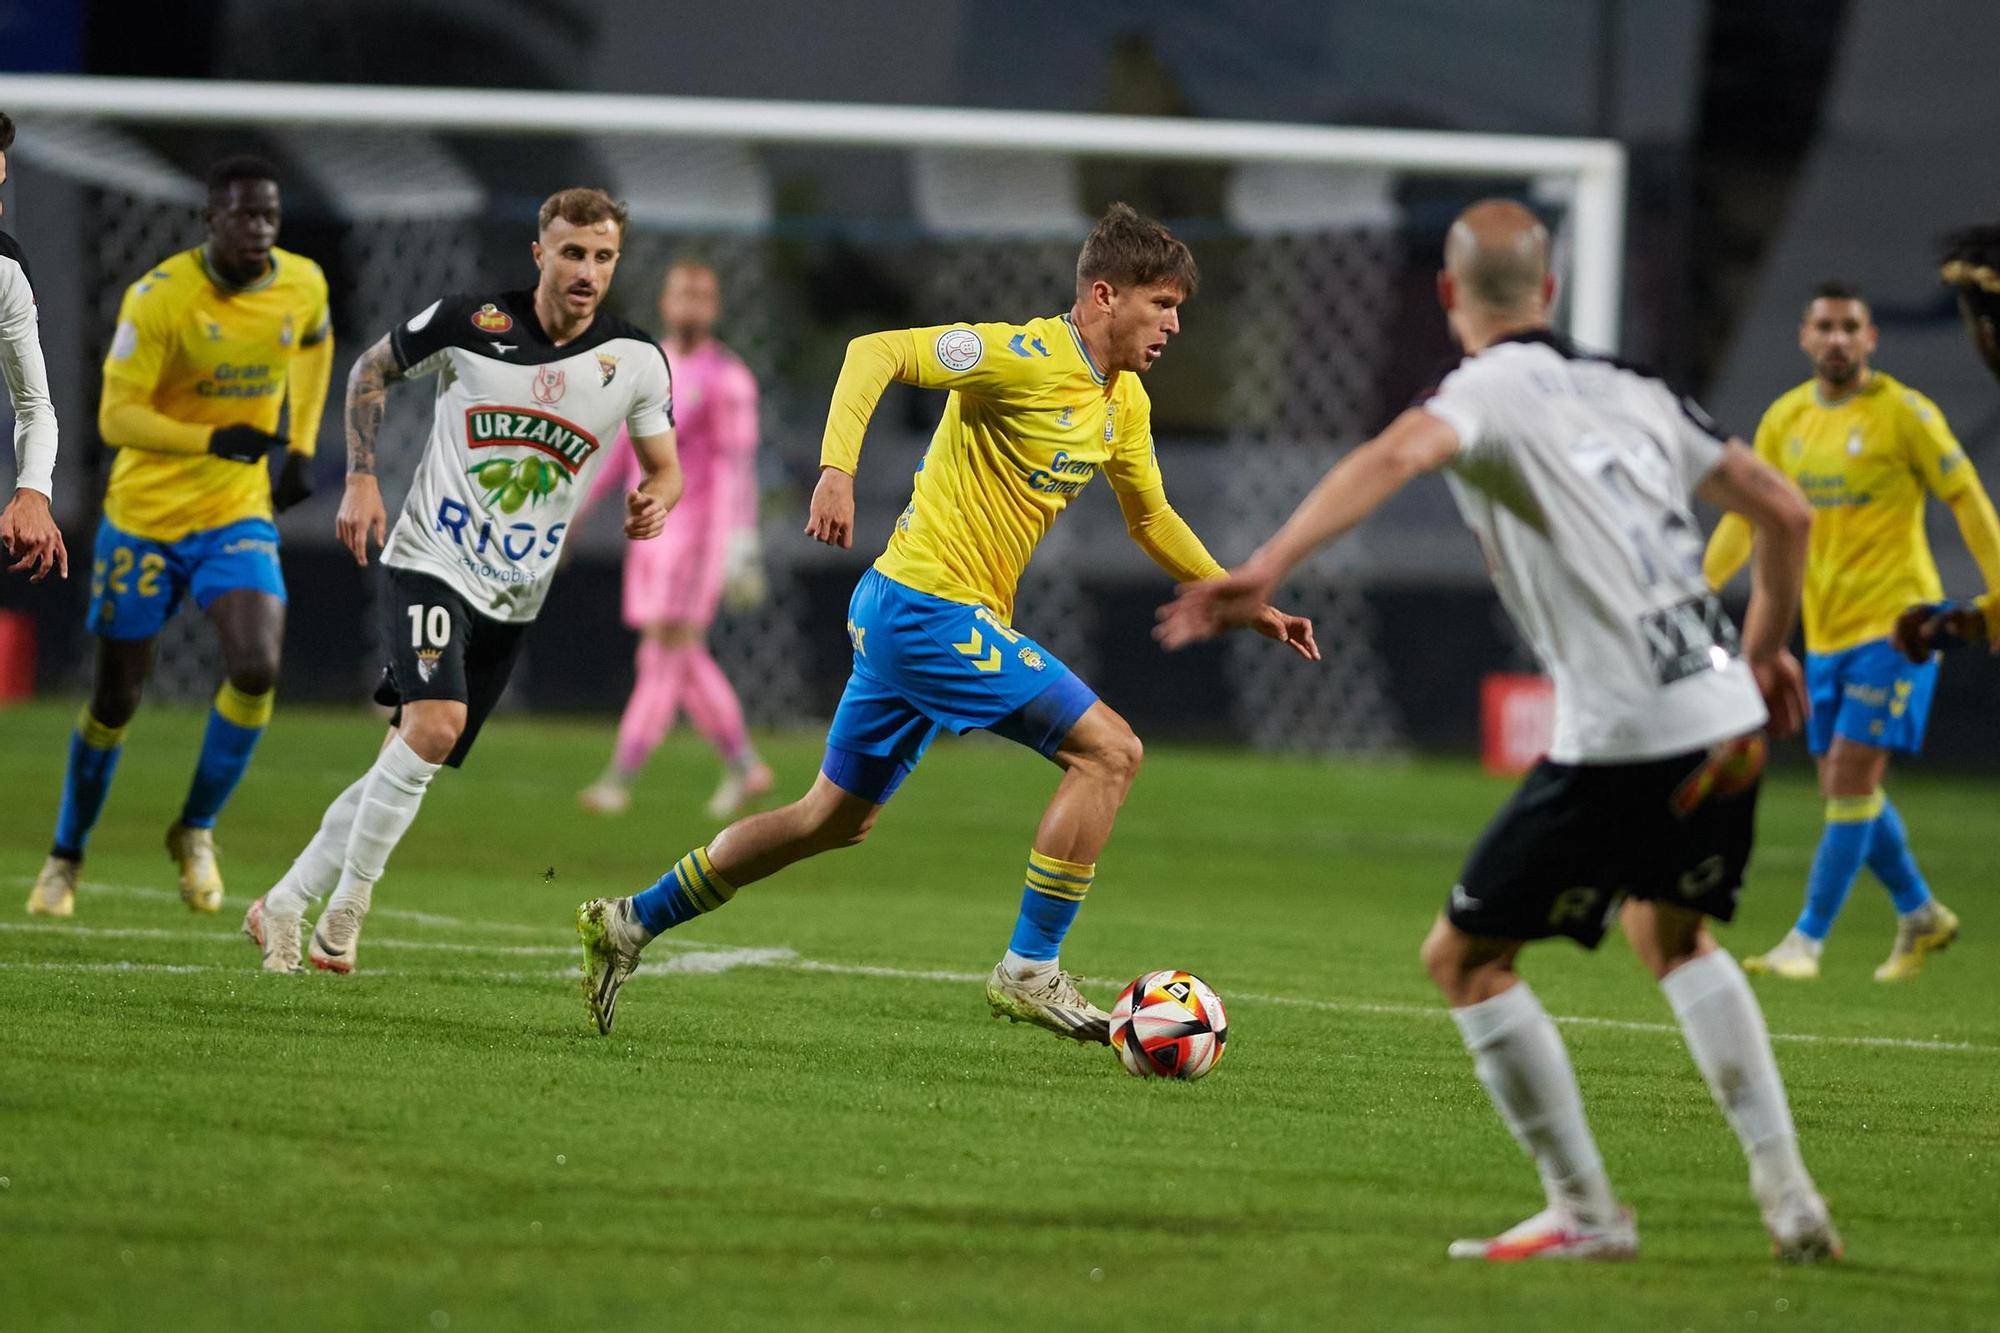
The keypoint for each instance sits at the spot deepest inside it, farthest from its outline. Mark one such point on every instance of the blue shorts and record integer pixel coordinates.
(922, 663)
(136, 584)
(1869, 693)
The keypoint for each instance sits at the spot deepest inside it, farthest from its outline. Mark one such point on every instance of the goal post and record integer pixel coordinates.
(824, 220)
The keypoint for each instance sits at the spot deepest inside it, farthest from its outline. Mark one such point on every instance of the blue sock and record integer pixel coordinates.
(93, 757)
(1850, 823)
(235, 725)
(1889, 857)
(683, 893)
(1054, 893)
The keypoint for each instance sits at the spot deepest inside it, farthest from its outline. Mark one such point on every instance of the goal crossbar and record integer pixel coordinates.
(1596, 166)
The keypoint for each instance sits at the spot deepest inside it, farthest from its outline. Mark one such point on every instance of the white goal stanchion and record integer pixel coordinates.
(1312, 245)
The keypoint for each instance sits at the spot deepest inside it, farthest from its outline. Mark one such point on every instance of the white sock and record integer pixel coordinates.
(390, 795)
(1799, 939)
(1726, 1035)
(317, 868)
(1022, 969)
(1519, 1056)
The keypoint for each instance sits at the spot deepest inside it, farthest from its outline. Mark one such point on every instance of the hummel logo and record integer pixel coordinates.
(1461, 901)
(504, 348)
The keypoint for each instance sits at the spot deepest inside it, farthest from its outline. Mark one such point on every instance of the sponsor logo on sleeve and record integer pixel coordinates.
(490, 318)
(959, 349)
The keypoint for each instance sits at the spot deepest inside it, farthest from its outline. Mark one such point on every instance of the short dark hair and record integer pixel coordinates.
(1836, 289)
(1128, 250)
(582, 207)
(240, 167)
(6, 131)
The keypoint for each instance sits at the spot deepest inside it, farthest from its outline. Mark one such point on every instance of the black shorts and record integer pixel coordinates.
(438, 647)
(1578, 839)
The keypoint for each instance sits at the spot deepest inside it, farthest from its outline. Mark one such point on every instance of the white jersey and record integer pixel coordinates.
(1575, 473)
(27, 378)
(521, 426)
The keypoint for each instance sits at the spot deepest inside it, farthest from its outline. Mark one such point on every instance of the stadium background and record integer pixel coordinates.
(1770, 145)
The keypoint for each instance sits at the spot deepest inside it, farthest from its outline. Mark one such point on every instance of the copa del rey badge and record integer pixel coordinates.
(548, 388)
(490, 318)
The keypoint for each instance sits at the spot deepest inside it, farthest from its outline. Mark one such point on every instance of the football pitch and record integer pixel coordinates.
(806, 1118)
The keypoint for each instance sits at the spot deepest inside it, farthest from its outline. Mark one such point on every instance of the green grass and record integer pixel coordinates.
(438, 1142)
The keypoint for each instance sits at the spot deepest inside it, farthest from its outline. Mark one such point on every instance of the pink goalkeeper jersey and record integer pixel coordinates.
(678, 575)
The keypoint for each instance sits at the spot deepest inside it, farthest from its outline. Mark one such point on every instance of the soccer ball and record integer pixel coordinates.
(1169, 1025)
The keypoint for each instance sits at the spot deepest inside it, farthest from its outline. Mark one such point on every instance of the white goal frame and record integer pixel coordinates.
(1595, 168)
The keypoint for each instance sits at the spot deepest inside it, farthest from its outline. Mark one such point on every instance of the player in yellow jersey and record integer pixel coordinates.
(217, 349)
(1866, 449)
(1035, 411)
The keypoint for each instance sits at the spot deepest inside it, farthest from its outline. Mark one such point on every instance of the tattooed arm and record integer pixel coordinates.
(361, 513)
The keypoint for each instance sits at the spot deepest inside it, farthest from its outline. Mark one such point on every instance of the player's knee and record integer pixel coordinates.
(1451, 965)
(114, 699)
(432, 734)
(1119, 756)
(257, 676)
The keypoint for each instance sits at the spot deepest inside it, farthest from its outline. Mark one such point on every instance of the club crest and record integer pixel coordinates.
(607, 367)
(427, 662)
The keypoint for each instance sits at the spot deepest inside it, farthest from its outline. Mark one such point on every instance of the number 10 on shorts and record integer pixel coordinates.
(430, 627)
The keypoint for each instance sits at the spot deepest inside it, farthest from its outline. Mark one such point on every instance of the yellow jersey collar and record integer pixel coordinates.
(225, 285)
(1081, 350)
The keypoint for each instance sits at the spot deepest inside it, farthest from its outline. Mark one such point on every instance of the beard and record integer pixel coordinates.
(1839, 372)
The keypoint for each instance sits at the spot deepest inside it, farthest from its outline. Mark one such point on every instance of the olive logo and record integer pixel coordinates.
(510, 483)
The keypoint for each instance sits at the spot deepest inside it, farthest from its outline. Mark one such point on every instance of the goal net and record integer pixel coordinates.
(1314, 322)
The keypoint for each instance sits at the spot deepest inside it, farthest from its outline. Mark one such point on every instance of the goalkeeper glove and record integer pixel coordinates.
(243, 444)
(743, 584)
(295, 482)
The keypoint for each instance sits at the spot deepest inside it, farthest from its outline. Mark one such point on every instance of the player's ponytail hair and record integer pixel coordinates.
(1126, 249)
(582, 207)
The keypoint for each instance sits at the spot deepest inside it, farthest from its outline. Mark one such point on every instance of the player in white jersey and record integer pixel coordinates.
(533, 386)
(28, 534)
(1575, 474)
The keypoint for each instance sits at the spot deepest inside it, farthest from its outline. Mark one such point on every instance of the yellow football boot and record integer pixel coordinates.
(193, 850)
(54, 893)
(1930, 927)
(1795, 959)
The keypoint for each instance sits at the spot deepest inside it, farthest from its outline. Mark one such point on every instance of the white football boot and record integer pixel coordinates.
(336, 939)
(1555, 1233)
(612, 938)
(277, 934)
(737, 792)
(606, 796)
(1050, 1000)
(1801, 1227)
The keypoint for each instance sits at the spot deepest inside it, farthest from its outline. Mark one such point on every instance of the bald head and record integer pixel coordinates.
(1498, 255)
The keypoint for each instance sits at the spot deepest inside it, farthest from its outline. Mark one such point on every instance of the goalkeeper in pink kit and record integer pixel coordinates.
(708, 552)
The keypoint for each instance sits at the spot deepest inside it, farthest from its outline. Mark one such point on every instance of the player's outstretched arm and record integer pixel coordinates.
(1415, 443)
(659, 490)
(1158, 529)
(28, 532)
(361, 514)
(1781, 523)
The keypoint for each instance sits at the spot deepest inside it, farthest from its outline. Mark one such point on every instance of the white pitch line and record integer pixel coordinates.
(713, 960)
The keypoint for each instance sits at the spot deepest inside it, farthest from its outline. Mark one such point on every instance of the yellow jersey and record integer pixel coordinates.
(1864, 464)
(205, 354)
(1029, 421)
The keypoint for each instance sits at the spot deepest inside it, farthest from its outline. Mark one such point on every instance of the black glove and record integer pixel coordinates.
(295, 482)
(243, 444)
